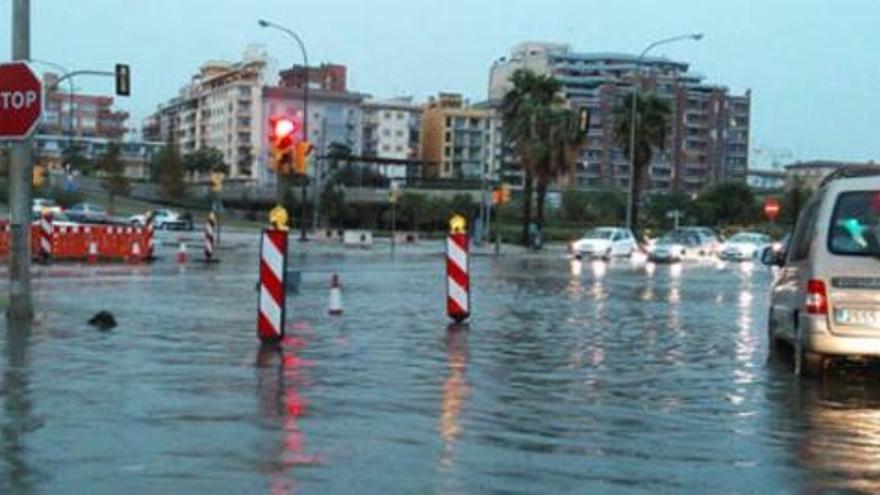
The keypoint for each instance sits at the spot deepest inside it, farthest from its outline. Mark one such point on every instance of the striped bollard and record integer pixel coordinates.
(273, 274)
(210, 232)
(150, 226)
(458, 283)
(45, 248)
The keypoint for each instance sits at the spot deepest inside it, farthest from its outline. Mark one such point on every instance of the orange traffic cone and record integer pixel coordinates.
(135, 253)
(182, 255)
(93, 253)
(335, 308)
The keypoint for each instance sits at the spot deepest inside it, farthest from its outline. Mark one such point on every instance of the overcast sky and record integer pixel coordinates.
(812, 65)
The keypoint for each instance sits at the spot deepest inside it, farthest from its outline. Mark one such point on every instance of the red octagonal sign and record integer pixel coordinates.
(21, 101)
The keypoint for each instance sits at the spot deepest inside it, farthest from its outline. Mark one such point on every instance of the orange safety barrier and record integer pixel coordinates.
(71, 242)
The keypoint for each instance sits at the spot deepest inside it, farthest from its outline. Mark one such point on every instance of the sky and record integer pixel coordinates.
(812, 65)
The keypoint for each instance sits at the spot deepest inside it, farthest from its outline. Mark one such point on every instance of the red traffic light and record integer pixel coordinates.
(283, 132)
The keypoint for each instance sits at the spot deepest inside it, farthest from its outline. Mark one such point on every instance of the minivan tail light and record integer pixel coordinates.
(817, 297)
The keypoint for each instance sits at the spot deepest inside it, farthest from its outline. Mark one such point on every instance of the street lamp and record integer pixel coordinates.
(282, 181)
(632, 117)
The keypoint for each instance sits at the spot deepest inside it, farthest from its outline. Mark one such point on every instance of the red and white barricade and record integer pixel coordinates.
(458, 285)
(273, 275)
(150, 229)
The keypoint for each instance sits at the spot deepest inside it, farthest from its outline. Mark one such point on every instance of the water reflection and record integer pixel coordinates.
(455, 391)
(279, 377)
(17, 407)
(838, 432)
(577, 267)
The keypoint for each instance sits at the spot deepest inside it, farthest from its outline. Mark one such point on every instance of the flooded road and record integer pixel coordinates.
(569, 378)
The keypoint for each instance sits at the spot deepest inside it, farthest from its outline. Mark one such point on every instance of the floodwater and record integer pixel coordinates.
(569, 378)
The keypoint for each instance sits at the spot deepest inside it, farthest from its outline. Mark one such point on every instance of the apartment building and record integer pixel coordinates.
(219, 108)
(78, 115)
(391, 131)
(708, 138)
(459, 140)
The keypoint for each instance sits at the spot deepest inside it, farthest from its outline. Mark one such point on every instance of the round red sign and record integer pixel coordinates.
(21, 100)
(771, 208)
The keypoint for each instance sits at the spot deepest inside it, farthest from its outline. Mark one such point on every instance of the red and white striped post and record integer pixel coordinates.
(210, 232)
(273, 278)
(45, 247)
(150, 226)
(458, 279)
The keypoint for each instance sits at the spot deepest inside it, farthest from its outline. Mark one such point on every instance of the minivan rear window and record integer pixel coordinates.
(855, 224)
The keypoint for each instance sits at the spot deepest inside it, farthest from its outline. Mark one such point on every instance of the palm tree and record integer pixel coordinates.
(531, 96)
(562, 142)
(652, 124)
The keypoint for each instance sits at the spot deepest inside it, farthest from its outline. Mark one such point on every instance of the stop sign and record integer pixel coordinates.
(771, 208)
(21, 100)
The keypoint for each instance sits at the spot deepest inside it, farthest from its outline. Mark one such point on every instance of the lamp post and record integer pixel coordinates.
(282, 182)
(632, 116)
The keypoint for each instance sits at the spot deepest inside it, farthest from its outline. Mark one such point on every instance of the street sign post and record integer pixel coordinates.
(21, 101)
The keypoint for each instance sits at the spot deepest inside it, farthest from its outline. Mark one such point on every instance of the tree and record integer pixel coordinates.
(652, 124)
(531, 95)
(563, 143)
(72, 156)
(204, 160)
(659, 206)
(113, 170)
(412, 207)
(727, 203)
(332, 204)
(4, 161)
(796, 196)
(168, 169)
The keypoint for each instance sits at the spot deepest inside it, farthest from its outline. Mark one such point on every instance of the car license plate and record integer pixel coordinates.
(860, 317)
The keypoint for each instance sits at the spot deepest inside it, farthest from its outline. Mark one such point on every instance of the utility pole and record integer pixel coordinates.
(20, 159)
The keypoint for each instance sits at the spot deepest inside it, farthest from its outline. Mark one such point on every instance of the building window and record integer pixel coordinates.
(447, 151)
(448, 121)
(387, 115)
(399, 115)
(448, 137)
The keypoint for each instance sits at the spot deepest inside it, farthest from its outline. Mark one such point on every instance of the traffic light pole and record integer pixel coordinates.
(20, 305)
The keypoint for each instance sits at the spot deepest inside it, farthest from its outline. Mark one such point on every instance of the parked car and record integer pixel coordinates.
(675, 246)
(40, 205)
(606, 243)
(87, 213)
(710, 242)
(826, 299)
(744, 246)
(163, 219)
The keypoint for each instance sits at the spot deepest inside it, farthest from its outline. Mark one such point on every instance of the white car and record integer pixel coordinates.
(606, 243)
(162, 219)
(40, 205)
(744, 246)
(675, 246)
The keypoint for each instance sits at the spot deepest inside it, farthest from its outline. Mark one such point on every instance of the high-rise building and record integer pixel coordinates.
(708, 136)
(460, 141)
(335, 119)
(219, 108)
(392, 129)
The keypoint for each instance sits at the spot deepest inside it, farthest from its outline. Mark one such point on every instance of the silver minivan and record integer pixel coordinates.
(826, 299)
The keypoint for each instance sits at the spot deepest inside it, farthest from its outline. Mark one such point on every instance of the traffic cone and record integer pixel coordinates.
(335, 308)
(135, 253)
(93, 253)
(182, 255)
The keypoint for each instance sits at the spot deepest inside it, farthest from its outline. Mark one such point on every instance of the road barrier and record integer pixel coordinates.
(273, 272)
(358, 238)
(150, 226)
(458, 290)
(74, 242)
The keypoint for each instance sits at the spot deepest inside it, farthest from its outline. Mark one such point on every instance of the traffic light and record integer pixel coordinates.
(282, 141)
(123, 80)
(301, 163)
(501, 195)
(39, 175)
(217, 181)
